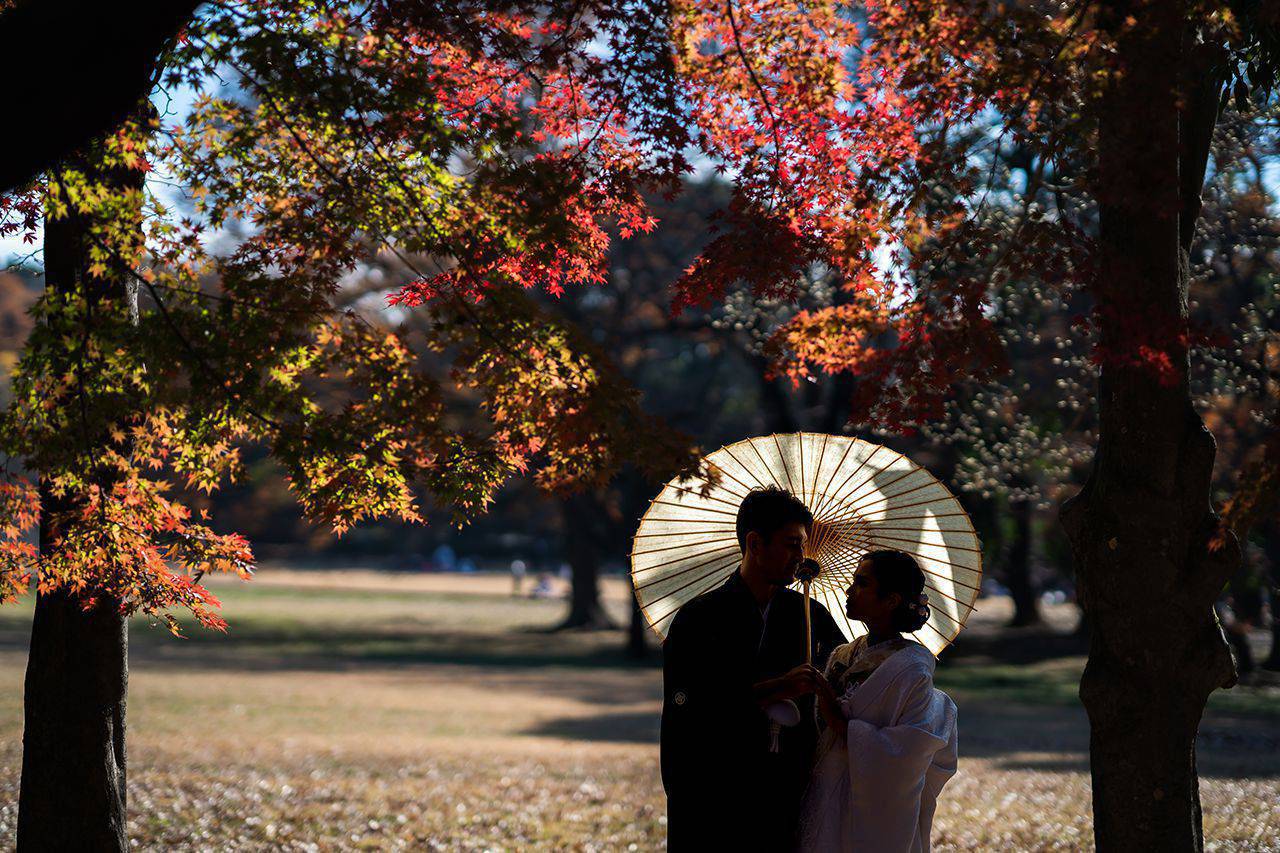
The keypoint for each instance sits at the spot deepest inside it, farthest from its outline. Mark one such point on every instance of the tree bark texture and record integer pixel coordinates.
(73, 743)
(72, 794)
(1140, 526)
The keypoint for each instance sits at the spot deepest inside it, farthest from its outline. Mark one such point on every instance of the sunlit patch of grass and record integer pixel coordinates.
(1051, 682)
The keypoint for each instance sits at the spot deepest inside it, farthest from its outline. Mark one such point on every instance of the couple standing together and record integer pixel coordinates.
(874, 741)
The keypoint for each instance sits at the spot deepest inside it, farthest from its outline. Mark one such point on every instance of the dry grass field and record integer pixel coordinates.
(360, 711)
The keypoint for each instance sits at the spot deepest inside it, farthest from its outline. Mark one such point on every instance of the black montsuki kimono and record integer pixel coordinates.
(725, 789)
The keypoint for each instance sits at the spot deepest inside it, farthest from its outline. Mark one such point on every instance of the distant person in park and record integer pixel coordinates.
(733, 655)
(542, 588)
(518, 570)
(889, 738)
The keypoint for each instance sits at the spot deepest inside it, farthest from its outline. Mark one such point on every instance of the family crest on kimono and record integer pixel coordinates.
(859, 767)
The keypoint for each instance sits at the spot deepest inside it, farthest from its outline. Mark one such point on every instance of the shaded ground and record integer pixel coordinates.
(357, 711)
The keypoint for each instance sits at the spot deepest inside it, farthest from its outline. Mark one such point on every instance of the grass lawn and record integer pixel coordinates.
(360, 711)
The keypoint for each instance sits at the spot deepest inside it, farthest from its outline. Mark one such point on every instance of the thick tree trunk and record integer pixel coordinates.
(1026, 602)
(73, 744)
(584, 517)
(1140, 526)
(585, 608)
(72, 793)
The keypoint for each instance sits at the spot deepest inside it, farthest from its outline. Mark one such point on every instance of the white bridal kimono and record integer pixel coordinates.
(878, 793)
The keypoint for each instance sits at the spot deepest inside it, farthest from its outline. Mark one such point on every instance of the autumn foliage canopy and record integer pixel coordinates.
(491, 148)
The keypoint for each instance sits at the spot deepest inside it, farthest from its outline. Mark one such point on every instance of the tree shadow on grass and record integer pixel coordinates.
(262, 645)
(1031, 644)
(634, 727)
(1045, 740)
(382, 648)
(1056, 740)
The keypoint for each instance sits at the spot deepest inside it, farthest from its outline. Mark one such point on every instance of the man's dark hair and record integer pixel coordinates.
(766, 510)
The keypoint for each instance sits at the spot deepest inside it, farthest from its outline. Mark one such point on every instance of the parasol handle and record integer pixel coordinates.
(807, 571)
(808, 628)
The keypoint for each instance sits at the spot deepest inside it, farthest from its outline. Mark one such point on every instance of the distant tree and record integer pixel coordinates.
(678, 365)
(156, 359)
(16, 297)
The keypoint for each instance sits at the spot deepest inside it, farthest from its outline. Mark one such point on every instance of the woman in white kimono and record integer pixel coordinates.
(890, 739)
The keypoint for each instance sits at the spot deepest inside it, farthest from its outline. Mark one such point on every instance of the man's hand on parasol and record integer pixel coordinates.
(800, 681)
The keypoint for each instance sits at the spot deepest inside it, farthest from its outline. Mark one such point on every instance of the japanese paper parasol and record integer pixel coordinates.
(864, 497)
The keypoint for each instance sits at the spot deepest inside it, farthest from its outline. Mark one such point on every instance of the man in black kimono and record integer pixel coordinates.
(729, 654)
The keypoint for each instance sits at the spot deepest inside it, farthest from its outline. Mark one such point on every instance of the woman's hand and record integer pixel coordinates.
(829, 707)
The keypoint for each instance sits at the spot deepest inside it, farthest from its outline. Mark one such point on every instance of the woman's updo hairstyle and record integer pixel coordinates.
(896, 571)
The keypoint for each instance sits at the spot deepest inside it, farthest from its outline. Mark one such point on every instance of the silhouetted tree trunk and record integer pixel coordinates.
(73, 743)
(1140, 527)
(72, 793)
(836, 413)
(776, 402)
(1026, 605)
(585, 530)
(112, 49)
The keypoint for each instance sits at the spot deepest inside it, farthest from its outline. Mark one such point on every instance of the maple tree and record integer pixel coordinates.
(489, 147)
(157, 356)
(1025, 435)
